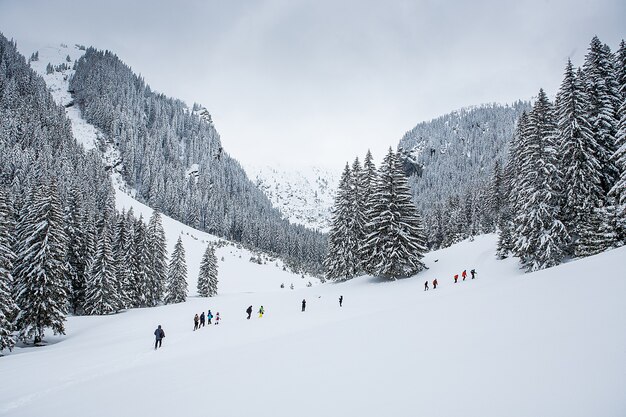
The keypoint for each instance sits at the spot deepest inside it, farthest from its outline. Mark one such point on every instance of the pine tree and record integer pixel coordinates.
(41, 289)
(370, 177)
(618, 191)
(358, 217)
(341, 260)
(539, 236)
(7, 306)
(397, 241)
(207, 279)
(603, 103)
(577, 147)
(127, 272)
(76, 257)
(177, 276)
(102, 289)
(509, 185)
(122, 260)
(140, 266)
(157, 258)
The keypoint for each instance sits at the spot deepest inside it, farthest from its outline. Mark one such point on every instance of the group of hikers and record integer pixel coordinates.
(456, 279)
(201, 320)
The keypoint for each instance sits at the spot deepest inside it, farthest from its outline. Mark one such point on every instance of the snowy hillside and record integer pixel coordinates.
(253, 271)
(549, 343)
(62, 58)
(304, 195)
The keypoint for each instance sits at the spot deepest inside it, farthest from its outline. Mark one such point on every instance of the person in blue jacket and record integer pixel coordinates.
(159, 334)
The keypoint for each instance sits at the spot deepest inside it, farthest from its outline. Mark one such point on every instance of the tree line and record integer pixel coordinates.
(562, 192)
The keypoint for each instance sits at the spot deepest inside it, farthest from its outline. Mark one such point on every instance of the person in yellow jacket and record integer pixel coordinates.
(261, 311)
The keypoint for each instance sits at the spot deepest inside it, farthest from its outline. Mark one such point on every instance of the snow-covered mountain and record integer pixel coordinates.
(305, 195)
(251, 264)
(505, 344)
(127, 124)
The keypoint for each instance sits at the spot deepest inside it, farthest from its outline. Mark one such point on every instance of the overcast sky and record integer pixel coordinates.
(321, 81)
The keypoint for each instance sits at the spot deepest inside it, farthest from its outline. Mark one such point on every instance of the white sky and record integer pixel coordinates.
(321, 81)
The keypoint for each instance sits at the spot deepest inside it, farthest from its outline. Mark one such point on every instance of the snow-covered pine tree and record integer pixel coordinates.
(126, 272)
(577, 147)
(397, 241)
(75, 262)
(157, 252)
(207, 278)
(176, 291)
(603, 103)
(618, 191)
(358, 219)
(7, 306)
(340, 261)
(540, 236)
(370, 176)
(140, 266)
(102, 289)
(122, 259)
(40, 276)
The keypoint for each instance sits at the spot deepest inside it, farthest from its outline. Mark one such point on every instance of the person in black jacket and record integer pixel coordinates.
(303, 305)
(340, 300)
(159, 334)
(249, 311)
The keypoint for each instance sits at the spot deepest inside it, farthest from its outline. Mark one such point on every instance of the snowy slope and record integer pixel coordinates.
(305, 195)
(550, 343)
(57, 83)
(268, 275)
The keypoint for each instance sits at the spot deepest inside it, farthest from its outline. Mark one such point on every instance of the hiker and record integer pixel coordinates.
(217, 318)
(426, 286)
(202, 319)
(196, 321)
(340, 300)
(261, 311)
(464, 274)
(209, 316)
(456, 278)
(435, 284)
(249, 311)
(159, 334)
(303, 305)
(473, 272)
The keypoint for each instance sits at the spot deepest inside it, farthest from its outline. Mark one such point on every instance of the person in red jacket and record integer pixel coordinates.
(435, 284)
(456, 278)
(464, 274)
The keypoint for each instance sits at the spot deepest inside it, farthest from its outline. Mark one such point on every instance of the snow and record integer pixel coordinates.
(549, 343)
